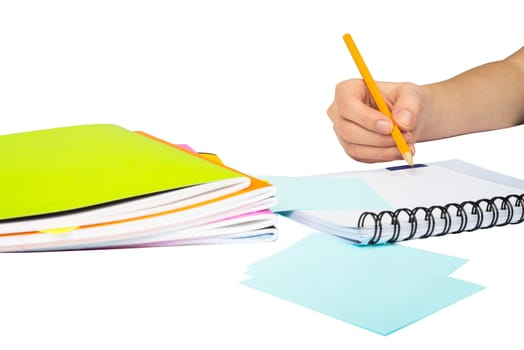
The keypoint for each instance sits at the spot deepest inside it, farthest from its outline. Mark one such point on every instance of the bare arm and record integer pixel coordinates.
(484, 98)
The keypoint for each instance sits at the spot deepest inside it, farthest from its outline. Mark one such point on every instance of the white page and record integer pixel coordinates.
(436, 184)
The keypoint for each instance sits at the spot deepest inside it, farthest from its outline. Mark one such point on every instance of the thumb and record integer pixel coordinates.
(404, 119)
(407, 107)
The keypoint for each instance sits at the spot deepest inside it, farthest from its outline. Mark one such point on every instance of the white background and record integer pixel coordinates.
(250, 81)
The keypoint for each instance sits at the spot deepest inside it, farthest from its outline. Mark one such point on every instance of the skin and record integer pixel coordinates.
(487, 97)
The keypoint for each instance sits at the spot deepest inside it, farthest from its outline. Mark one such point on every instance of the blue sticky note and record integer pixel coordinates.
(334, 253)
(382, 288)
(324, 192)
(380, 303)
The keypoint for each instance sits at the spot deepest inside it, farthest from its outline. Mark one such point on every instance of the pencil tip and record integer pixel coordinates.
(408, 157)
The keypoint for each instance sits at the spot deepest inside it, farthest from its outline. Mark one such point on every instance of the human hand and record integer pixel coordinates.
(363, 131)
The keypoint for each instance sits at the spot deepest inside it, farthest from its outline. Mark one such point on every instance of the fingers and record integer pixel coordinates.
(351, 132)
(365, 146)
(362, 130)
(353, 103)
(372, 154)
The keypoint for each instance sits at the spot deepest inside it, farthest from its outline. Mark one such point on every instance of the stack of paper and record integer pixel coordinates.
(102, 186)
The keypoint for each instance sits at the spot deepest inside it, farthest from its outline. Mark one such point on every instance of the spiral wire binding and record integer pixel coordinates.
(447, 212)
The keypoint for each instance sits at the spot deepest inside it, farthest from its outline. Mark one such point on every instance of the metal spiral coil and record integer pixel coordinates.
(465, 211)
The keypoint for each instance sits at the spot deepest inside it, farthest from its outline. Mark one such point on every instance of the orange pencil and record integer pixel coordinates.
(402, 146)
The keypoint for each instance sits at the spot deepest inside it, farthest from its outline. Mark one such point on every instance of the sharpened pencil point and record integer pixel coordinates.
(408, 157)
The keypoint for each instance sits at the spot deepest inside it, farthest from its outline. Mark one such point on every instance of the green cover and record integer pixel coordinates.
(54, 170)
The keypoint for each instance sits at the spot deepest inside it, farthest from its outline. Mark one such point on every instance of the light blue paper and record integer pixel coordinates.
(382, 304)
(381, 288)
(324, 192)
(331, 252)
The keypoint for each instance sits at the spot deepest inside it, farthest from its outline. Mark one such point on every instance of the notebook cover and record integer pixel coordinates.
(54, 170)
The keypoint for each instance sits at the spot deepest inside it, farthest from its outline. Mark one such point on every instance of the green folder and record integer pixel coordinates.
(61, 169)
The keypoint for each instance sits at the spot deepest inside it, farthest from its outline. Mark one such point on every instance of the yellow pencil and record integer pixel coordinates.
(402, 146)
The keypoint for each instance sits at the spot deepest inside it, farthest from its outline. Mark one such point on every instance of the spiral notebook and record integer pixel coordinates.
(427, 200)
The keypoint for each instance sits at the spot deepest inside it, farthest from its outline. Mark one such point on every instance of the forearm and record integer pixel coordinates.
(484, 98)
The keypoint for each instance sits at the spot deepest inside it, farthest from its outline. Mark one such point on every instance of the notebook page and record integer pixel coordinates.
(432, 185)
(435, 184)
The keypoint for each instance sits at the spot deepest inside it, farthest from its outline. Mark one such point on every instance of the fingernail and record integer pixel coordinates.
(405, 118)
(384, 126)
